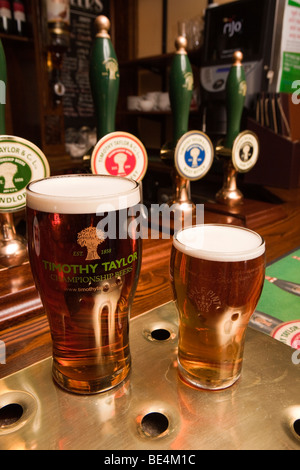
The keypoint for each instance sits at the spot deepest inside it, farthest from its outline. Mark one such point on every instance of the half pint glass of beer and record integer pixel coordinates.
(217, 274)
(85, 258)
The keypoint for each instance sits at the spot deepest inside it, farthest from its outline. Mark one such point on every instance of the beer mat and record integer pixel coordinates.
(280, 300)
(153, 410)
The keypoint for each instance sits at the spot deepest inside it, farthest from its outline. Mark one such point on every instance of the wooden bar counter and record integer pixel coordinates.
(24, 327)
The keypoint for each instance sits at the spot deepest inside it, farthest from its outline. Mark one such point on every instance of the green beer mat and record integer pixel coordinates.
(281, 293)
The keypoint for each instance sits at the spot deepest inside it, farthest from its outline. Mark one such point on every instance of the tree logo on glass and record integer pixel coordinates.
(204, 299)
(91, 238)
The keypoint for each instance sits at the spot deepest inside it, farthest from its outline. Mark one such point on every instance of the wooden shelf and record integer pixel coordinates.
(14, 37)
(159, 63)
(156, 64)
(150, 113)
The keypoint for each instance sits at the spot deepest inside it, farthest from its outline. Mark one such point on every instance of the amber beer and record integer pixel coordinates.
(217, 274)
(86, 274)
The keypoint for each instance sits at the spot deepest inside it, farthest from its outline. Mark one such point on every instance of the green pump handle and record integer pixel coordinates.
(236, 89)
(104, 78)
(181, 89)
(3, 81)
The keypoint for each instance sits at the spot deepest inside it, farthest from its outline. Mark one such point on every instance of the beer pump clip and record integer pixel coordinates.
(191, 151)
(116, 153)
(240, 150)
(20, 163)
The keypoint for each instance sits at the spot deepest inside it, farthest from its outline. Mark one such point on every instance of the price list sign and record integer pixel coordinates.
(78, 102)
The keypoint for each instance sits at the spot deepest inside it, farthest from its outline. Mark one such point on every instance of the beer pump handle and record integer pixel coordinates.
(104, 78)
(236, 89)
(3, 80)
(181, 89)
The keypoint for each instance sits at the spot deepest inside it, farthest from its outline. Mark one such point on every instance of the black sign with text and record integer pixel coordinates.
(78, 102)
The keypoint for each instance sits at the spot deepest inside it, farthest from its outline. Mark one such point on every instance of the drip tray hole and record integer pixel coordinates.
(154, 424)
(10, 415)
(297, 427)
(160, 334)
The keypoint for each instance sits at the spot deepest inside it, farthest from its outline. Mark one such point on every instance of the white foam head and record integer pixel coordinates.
(82, 194)
(219, 243)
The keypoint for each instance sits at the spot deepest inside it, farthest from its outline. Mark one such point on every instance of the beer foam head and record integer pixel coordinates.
(82, 194)
(219, 243)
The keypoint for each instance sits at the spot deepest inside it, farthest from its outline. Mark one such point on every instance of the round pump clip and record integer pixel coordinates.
(20, 163)
(194, 155)
(120, 154)
(245, 151)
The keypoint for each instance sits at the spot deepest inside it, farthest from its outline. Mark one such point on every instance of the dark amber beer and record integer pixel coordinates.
(85, 258)
(217, 274)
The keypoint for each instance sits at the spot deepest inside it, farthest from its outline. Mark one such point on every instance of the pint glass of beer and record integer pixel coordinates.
(85, 257)
(217, 274)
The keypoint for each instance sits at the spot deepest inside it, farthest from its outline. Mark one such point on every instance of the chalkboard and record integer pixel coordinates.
(77, 102)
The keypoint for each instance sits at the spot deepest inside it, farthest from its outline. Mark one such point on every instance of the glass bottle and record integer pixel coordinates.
(58, 18)
(19, 17)
(6, 20)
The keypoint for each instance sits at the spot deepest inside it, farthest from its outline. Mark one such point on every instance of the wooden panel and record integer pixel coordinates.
(123, 28)
(252, 214)
(18, 295)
